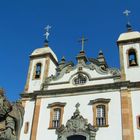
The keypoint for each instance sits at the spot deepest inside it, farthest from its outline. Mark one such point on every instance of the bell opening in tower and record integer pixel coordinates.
(132, 57)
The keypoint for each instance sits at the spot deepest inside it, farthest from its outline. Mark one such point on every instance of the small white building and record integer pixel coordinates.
(86, 101)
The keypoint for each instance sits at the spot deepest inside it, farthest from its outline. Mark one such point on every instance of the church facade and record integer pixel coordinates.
(83, 101)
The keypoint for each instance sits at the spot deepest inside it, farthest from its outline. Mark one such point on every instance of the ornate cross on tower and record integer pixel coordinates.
(47, 28)
(126, 13)
(82, 41)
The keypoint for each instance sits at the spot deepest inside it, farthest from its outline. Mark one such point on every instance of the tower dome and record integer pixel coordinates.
(129, 36)
(43, 51)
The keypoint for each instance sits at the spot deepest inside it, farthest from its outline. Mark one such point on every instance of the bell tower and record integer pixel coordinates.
(43, 62)
(129, 49)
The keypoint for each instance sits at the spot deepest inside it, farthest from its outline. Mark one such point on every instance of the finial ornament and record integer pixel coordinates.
(128, 25)
(77, 105)
(47, 28)
(77, 112)
(82, 41)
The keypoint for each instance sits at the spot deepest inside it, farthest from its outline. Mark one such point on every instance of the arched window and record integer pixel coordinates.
(38, 70)
(80, 79)
(100, 116)
(132, 57)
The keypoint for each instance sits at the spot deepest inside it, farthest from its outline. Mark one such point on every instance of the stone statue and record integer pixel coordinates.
(76, 125)
(11, 118)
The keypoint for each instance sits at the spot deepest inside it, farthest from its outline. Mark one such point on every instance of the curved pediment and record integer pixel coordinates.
(85, 72)
(91, 71)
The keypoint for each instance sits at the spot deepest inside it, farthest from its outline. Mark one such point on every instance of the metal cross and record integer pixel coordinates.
(82, 41)
(47, 28)
(128, 25)
(126, 12)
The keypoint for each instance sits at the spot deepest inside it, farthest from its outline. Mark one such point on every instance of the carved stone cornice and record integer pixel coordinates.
(69, 67)
(56, 104)
(98, 64)
(112, 86)
(129, 41)
(99, 100)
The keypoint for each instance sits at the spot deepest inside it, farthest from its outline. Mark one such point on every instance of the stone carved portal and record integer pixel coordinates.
(77, 128)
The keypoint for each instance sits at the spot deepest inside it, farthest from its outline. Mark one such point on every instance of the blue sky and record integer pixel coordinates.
(22, 25)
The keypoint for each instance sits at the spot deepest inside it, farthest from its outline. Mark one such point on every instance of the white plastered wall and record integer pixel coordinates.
(114, 131)
(52, 68)
(28, 117)
(35, 84)
(132, 73)
(135, 95)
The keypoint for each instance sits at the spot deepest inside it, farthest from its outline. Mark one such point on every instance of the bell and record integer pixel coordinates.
(133, 62)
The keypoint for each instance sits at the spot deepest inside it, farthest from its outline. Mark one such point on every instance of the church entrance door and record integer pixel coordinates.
(76, 137)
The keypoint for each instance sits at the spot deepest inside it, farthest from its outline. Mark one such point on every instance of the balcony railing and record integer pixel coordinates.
(101, 121)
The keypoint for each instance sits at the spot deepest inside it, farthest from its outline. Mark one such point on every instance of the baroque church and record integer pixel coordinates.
(88, 100)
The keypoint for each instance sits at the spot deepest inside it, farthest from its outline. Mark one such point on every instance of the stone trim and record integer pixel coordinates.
(129, 41)
(127, 117)
(99, 100)
(28, 76)
(123, 75)
(35, 119)
(56, 104)
(46, 69)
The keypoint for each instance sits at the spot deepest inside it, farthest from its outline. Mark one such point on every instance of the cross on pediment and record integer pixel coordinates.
(82, 41)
